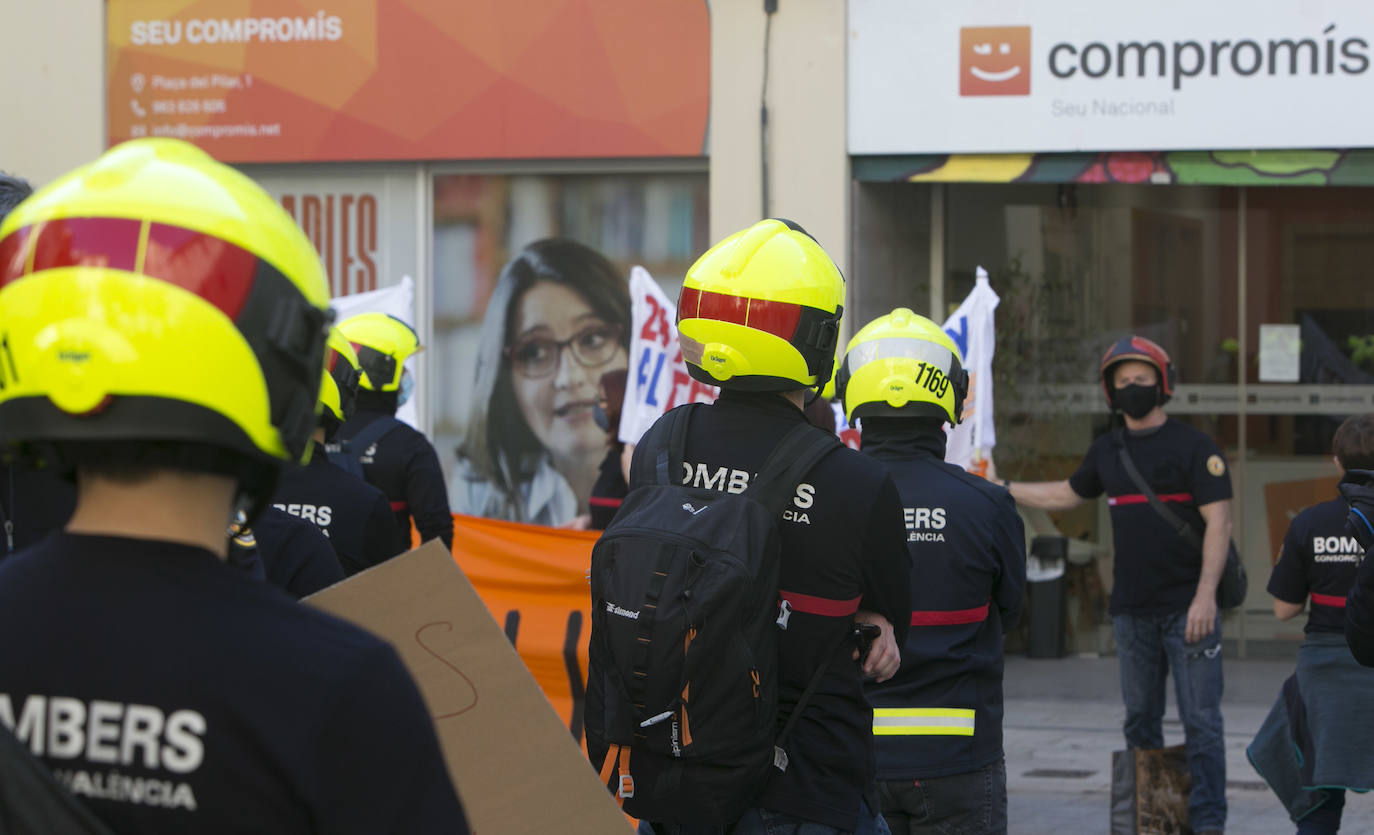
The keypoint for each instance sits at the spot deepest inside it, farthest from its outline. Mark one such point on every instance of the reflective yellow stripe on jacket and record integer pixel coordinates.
(922, 721)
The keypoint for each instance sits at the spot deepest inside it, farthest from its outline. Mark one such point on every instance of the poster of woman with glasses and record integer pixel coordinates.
(558, 319)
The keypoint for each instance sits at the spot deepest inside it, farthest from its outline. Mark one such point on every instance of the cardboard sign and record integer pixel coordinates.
(512, 760)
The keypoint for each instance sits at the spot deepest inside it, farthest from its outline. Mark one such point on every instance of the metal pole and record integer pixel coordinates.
(937, 252)
(1242, 366)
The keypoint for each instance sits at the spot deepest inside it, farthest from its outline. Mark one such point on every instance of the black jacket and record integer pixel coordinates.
(34, 502)
(968, 576)
(405, 467)
(354, 515)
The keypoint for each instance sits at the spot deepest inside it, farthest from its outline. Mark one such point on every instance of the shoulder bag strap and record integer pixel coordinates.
(1183, 528)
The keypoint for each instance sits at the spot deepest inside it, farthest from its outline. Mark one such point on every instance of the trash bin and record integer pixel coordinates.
(1045, 596)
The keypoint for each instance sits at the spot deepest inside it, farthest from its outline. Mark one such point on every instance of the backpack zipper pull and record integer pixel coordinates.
(784, 612)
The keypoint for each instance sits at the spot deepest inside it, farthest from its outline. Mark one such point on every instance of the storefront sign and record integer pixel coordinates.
(1002, 76)
(411, 79)
(361, 222)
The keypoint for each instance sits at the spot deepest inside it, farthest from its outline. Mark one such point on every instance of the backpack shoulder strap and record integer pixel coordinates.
(369, 435)
(660, 450)
(799, 450)
(1181, 527)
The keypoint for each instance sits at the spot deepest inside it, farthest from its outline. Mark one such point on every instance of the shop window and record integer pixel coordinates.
(538, 437)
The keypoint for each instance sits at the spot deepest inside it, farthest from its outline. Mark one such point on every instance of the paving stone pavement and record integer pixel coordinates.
(1063, 720)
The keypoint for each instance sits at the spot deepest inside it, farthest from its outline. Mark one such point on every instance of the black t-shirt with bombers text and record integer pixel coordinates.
(843, 544)
(1319, 558)
(1156, 570)
(171, 692)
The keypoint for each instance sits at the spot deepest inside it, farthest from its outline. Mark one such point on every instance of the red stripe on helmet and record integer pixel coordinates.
(13, 254)
(777, 318)
(214, 269)
(86, 242)
(218, 271)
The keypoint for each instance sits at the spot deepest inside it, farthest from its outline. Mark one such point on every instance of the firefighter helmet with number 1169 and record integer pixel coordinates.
(903, 365)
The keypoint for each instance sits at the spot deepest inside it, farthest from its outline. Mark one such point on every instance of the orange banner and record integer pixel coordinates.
(289, 81)
(534, 581)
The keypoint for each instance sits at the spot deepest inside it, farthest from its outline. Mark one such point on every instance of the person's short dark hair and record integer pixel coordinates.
(1353, 445)
(13, 191)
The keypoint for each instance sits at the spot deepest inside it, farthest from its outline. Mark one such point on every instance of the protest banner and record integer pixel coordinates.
(658, 378)
(503, 744)
(972, 328)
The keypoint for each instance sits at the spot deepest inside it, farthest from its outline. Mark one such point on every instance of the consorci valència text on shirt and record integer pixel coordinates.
(162, 746)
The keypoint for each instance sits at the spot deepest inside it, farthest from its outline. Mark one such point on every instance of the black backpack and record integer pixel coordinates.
(682, 692)
(347, 454)
(33, 802)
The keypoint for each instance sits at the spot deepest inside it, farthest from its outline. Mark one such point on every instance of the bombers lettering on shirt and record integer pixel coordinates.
(924, 523)
(320, 514)
(1336, 549)
(109, 733)
(737, 481)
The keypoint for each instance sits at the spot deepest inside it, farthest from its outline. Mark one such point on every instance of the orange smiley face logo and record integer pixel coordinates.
(994, 60)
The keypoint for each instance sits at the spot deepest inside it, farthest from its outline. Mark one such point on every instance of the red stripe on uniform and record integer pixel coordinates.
(604, 501)
(399, 506)
(953, 617)
(1328, 600)
(1139, 498)
(824, 606)
(777, 318)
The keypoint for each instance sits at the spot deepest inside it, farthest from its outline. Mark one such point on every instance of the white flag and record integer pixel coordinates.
(657, 379)
(397, 300)
(973, 330)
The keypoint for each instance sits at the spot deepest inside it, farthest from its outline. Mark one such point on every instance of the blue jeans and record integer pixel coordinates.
(960, 804)
(1149, 647)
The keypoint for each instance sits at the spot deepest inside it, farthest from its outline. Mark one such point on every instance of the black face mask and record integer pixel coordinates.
(602, 419)
(1136, 401)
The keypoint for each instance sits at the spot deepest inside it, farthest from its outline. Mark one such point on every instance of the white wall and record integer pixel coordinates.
(52, 75)
(809, 164)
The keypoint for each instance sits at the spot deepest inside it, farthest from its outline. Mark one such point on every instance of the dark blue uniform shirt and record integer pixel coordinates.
(354, 515)
(405, 467)
(942, 713)
(1319, 557)
(1156, 570)
(173, 693)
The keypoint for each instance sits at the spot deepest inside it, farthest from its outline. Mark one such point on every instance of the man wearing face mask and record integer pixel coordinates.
(396, 459)
(1163, 603)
